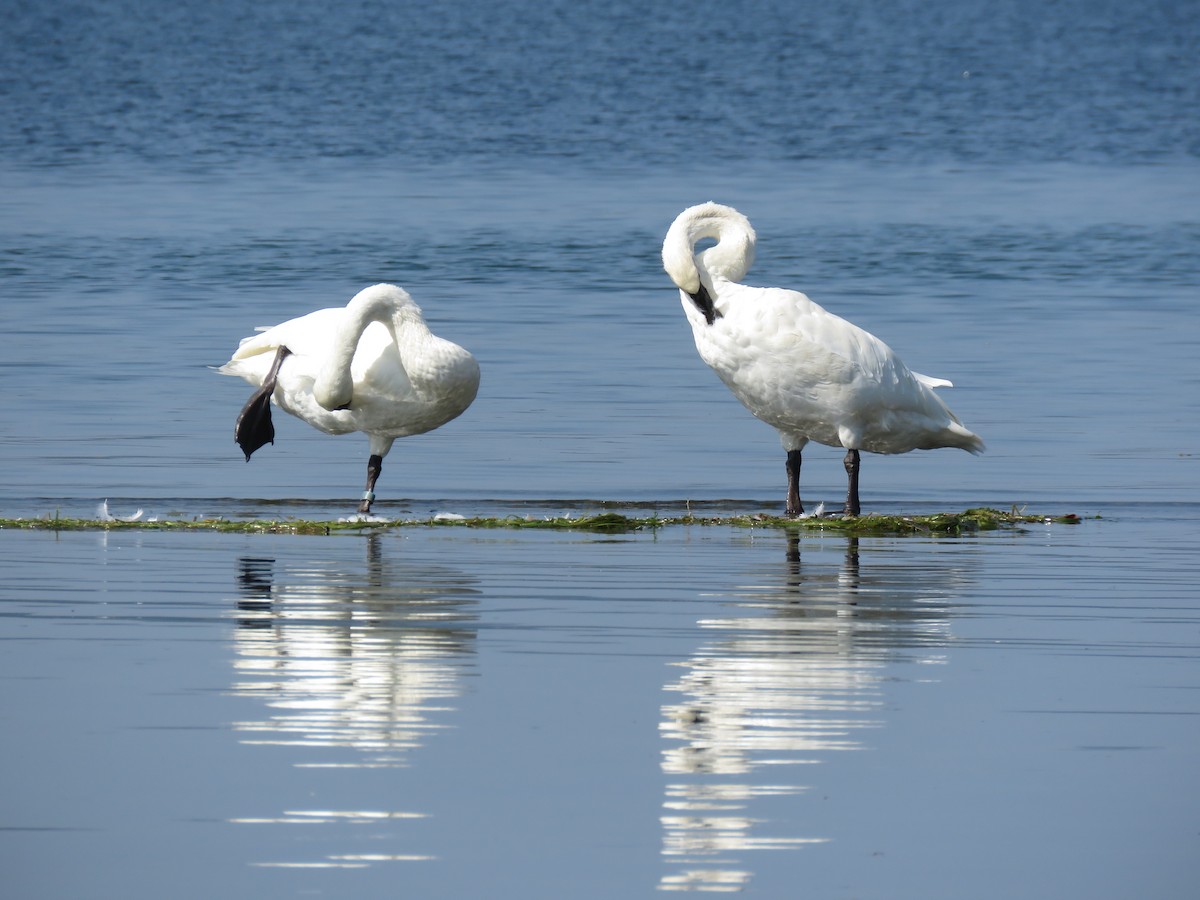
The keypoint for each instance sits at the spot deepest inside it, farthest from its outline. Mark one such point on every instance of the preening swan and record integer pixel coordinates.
(371, 366)
(808, 373)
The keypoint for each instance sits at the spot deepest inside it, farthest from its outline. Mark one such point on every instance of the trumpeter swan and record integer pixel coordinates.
(371, 366)
(810, 374)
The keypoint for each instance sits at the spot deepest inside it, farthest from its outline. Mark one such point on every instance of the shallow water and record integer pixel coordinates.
(557, 714)
(1006, 192)
(1066, 328)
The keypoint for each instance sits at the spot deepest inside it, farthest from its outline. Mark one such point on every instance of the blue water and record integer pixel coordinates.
(438, 713)
(1007, 192)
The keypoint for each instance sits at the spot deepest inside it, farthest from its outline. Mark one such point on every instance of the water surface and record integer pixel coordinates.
(429, 710)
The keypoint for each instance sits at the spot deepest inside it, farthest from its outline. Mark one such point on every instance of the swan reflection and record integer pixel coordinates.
(794, 674)
(356, 669)
(346, 659)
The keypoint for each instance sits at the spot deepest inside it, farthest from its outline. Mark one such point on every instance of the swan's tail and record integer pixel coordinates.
(957, 435)
(930, 382)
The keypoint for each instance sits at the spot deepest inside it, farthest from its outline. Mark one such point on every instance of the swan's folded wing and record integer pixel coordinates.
(304, 335)
(791, 322)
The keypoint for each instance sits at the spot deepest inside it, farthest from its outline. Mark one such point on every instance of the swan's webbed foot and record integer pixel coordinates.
(794, 506)
(254, 428)
(374, 467)
(851, 463)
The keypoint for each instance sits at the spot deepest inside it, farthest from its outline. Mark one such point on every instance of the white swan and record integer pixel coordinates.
(807, 372)
(371, 366)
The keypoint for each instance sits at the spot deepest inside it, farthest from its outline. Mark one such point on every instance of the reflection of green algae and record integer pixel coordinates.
(971, 520)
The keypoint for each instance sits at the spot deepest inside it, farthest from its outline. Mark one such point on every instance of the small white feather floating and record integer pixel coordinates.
(371, 366)
(810, 374)
(104, 515)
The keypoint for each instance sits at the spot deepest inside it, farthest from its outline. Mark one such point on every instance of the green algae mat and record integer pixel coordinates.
(967, 522)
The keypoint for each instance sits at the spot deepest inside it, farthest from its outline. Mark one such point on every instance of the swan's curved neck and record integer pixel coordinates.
(729, 259)
(386, 304)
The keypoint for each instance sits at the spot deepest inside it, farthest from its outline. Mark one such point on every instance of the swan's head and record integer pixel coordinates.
(677, 257)
(730, 258)
(334, 388)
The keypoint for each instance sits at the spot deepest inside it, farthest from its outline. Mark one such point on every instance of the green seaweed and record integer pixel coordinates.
(967, 522)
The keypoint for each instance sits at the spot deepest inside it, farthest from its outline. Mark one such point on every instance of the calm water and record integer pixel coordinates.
(435, 713)
(1007, 193)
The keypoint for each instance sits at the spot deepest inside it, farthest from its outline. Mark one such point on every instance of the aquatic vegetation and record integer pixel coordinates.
(967, 522)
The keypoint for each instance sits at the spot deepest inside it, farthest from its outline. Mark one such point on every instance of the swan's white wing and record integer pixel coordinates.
(796, 334)
(307, 335)
(376, 363)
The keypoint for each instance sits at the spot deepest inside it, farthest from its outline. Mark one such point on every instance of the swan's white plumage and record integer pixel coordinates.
(807, 372)
(371, 366)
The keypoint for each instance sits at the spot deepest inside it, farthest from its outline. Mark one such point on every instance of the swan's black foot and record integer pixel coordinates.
(254, 428)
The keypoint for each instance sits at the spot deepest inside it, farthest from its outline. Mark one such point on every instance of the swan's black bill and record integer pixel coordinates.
(254, 427)
(704, 303)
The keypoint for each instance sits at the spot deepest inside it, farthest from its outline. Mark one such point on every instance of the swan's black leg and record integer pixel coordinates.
(851, 462)
(374, 467)
(794, 506)
(254, 427)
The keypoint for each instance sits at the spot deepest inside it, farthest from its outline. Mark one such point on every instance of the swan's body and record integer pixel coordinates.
(810, 374)
(371, 366)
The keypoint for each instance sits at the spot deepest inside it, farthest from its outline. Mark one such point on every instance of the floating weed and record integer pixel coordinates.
(604, 523)
(969, 521)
